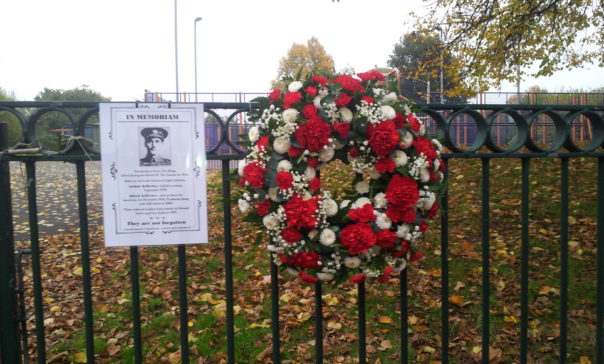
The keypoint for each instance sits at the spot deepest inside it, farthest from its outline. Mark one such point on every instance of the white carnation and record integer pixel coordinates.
(403, 230)
(389, 98)
(360, 203)
(373, 173)
(383, 222)
(313, 233)
(253, 134)
(281, 145)
(330, 207)
(424, 176)
(407, 140)
(240, 166)
(426, 202)
(362, 187)
(352, 262)
(346, 114)
(326, 154)
(284, 165)
(275, 249)
(290, 115)
(317, 101)
(436, 165)
(344, 204)
(328, 237)
(272, 193)
(325, 277)
(294, 86)
(437, 145)
(380, 200)
(270, 222)
(388, 112)
(310, 173)
(400, 158)
(243, 205)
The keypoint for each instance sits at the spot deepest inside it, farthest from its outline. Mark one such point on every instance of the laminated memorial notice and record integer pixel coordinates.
(154, 174)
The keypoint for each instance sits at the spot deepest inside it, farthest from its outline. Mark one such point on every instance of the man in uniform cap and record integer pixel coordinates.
(154, 141)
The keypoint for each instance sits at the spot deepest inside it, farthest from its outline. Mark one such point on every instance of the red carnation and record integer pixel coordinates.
(291, 98)
(300, 213)
(358, 278)
(367, 99)
(262, 143)
(357, 238)
(263, 207)
(343, 99)
(306, 277)
(275, 95)
(385, 164)
(386, 238)
(404, 249)
(254, 174)
(413, 122)
(401, 214)
(342, 128)
(424, 146)
(416, 256)
(291, 235)
(423, 226)
(433, 210)
(365, 76)
(315, 184)
(294, 152)
(354, 153)
(313, 135)
(385, 277)
(402, 191)
(400, 121)
(306, 259)
(349, 84)
(313, 162)
(312, 91)
(285, 180)
(320, 80)
(309, 111)
(362, 214)
(383, 137)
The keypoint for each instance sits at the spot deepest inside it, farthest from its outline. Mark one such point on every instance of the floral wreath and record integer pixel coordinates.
(399, 174)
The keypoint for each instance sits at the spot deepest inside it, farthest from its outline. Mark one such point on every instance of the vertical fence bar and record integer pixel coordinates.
(524, 257)
(444, 266)
(85, 254)
(30, 168)
(485, 259)
(184, 304)
(600, 257)
(228, 261)
(275, 312)
(404, 359)
(563, 258)
(362, 324)
(318, 323)
(136, 305)
(9, 338)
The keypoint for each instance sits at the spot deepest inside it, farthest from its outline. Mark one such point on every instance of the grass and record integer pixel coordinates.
(206, 288)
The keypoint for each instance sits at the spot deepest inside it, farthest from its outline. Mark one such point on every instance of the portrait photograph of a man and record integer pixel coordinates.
(156, 147)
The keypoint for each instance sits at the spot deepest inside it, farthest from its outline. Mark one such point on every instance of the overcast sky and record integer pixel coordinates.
(122, 47)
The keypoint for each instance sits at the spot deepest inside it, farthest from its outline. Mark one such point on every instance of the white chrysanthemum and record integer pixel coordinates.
(380, 200)
(389, 98)
(243, 205)
(328, 237)
(388, 112)
(400, 267)
(284, 165)
(310, 173)
(290, 115)
(373, 173)
(325, 277)
(253, 134)
(294, 86)
(275, 249)
(240, 166)
(360, 202)
(330, 207)
(383, 221)
(270, 222)
(427, 201)
(344, 204)
(352, 262)
(403, 230)
(272, 194)
(362, 187)
(346, 114)
(400, 158)
(407, 140)
(424, 176)
(281, 145)
(326, 154)
(313, 233)
(317, 101)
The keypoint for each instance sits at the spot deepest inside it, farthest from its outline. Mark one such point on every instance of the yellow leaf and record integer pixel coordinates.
(285, 297)
(385, 345)
(330, 300)
(412, 320)
(56, 309)
(304, 316)
(264, 325)
(571, 220)
(78, 271)
(456, 300)
(428, 349)
(80, 357)
(459, 177)
(584, 360)
(476, 349)
(206, 297)
(385, 320)
(334, 325)
(510, 319)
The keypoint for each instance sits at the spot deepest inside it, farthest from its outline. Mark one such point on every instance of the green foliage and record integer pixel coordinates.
(499, 41)
(301, 61)
(15, 129)
(421, 55)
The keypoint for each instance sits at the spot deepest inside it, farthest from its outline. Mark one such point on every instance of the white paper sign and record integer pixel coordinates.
(154, 174)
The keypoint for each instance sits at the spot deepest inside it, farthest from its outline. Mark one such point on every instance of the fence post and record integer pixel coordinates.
(9, 338)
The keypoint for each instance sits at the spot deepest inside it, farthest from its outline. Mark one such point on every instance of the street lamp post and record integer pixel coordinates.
(195, 51)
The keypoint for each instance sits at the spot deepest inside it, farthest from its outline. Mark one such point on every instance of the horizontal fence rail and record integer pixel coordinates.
(526, 133)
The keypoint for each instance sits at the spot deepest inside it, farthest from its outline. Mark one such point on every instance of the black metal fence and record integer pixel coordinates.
(485, 146)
